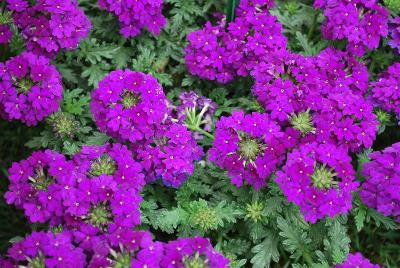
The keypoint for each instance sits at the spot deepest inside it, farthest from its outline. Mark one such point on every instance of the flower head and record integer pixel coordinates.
(357, 260)
(249, 147)
(30, 88)
(319, 178)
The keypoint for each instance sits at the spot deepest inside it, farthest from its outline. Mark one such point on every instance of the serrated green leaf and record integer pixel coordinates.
(266, 252)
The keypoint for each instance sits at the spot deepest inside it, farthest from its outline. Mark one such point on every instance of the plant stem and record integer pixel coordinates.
(307, 258)
(202, 131)
(312, 28)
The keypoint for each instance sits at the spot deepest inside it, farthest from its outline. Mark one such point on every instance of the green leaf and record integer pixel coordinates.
(97, 139)
(75, 102)
(266, 252)
(94, 74)
(360, 217)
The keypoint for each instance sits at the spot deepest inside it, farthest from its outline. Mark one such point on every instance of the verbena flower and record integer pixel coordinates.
(45, 249)
(35, 185)
(249, 147)
(386, 90)
(381, 189)
(319, 178)
(128, 105)
(286, 83)
(30, 88)
(362, 23)
(5, 34)
(357, 260)
(170, 154)
(105, 192)
(49, 26)
(339, 71)
(191, 253)
(216, 53)
(346, 119)
(133, 16)
(394, 29)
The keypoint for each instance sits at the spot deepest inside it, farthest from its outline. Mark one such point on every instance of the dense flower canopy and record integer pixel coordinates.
(382, 181)
(386, 90)
(30, 88)
(133, 16)
(49, 26)
(5, 34)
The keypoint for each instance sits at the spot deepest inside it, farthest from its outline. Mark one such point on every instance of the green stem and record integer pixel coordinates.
(313, 25)
(202, 131)
(307, 258)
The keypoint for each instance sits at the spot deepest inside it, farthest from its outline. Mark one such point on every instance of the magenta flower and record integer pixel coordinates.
(5, 34)
(128, 105)
(362, 23)
(386, 92)
(42, 249)
(381, 189)
(320, 179)
(357, 260)
(133, 16)
(250, 147)
(170, 154)
(35, 184)
(30, 88)
(49, 26)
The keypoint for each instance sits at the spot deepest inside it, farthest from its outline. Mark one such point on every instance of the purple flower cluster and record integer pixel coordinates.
(249, 147)
(50, 25)
(128, 105)
(134, 15)
(30, 88)
(357, 260)
(99, 190)
(5, 34)
(319, 178)
(41, 249)
(362, 22)
(216, 53)
(381, 189)
(170, 154)
(386, 90)
(134, 249)
(394, 30)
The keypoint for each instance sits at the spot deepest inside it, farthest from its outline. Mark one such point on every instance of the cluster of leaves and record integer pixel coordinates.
(254, 229)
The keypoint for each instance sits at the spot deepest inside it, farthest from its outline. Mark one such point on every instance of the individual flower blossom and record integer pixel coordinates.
(216, 53)
(104, 193)
(50, 250)
(49, 26)
(250, 147)
(285, 84)
(128, 105)
(30, 88)
(347, 120)
(5, 34)
(381, 189)
(192, 252)
(394, 30)
(196, 112)
(170, 154)
(35, 185)
(355, 260)
(339, 71)
(319, 178)
(363, 23)
(386, 90)
(133, 16)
